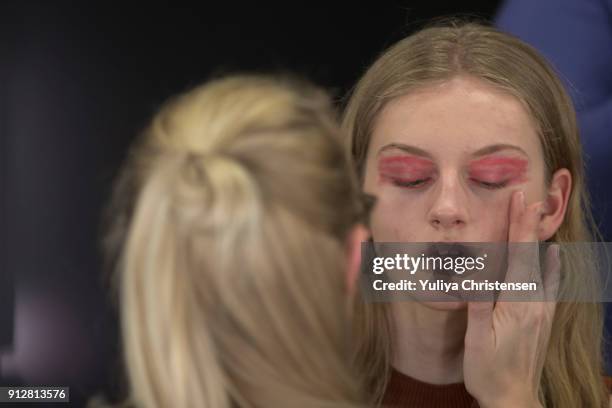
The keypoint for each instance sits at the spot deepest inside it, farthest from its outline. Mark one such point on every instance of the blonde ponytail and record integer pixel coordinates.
(231, 215)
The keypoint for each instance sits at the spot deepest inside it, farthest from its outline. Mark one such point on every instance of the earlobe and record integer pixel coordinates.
(556, 202)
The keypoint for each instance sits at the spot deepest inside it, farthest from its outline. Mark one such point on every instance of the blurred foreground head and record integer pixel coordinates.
(231, 222)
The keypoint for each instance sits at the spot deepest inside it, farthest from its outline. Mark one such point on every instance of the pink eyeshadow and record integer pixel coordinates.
(404, 166)
(498, 169)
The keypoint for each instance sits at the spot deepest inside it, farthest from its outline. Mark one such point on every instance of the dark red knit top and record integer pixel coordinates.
(407, 392)
(404, 391)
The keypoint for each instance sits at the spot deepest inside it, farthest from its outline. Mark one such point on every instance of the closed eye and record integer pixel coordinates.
(491, 186)
(420, 182)
(409, 184)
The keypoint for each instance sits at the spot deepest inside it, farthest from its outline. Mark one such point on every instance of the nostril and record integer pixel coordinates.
(449, 223)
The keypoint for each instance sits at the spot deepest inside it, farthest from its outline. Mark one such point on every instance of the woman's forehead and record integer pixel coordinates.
(461, 116)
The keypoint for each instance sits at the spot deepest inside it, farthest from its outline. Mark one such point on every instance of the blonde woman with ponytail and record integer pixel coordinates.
(236, 234)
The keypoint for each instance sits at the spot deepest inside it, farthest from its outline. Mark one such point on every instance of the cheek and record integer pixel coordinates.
(396, 220)
(492, 217)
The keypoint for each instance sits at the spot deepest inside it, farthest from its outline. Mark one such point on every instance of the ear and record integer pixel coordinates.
(356, 236)
(555, 206)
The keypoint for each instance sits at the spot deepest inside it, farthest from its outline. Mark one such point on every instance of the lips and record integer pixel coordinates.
(448, 249)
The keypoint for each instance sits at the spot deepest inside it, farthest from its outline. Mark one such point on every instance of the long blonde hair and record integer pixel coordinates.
(573, 370)
(229, 224)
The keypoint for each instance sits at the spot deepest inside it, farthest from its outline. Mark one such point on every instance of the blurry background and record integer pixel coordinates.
(77, 82)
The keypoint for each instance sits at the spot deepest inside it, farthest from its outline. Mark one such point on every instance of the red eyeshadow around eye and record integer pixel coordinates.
(498, 169)
(404, 167)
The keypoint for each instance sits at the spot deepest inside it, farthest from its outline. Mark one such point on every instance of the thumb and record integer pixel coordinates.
(480, 324)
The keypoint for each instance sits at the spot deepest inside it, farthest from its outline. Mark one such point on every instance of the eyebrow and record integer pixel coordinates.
(478, 153)
(405, 148)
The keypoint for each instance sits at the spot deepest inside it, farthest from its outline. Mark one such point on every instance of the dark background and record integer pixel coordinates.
(77, 82)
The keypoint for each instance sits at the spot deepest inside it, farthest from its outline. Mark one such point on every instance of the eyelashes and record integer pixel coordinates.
(418, 183)
(492, 186)
(408, 184)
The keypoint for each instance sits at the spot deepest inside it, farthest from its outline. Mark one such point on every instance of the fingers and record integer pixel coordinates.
(480, 325)
(523, 247)
(517, 209)
(524, 220)
(552, 274)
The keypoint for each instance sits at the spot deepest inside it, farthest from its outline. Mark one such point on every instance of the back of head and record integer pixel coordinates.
(230, 216)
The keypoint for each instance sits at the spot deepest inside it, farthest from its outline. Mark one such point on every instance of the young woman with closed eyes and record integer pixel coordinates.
(465, 134)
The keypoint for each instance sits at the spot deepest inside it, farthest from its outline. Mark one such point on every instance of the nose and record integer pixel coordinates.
(448, 210)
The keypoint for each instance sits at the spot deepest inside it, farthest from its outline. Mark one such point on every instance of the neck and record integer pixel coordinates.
(428, 343)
